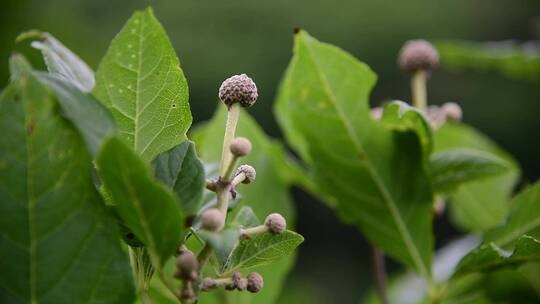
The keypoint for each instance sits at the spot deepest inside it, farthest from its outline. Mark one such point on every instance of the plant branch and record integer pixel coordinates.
(230, 130)
(419, 91)
(379, 271)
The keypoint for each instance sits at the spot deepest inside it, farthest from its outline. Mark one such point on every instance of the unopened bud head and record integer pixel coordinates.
(255, 282)
(240, 146)
(186, 265)
(276, 223)
(208, 284)
(238, 88)
(452, 111)
(249, 172)
(212, 219)
(418, 55)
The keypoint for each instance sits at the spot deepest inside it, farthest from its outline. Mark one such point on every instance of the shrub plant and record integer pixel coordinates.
(106, 200)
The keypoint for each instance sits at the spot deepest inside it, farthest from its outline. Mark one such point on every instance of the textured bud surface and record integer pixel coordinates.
(249, 171)
(452, 111)
(418, 55)
(240, 146)
(211, 219)
(238, 88)
(276, 223)
(208, 284)
(254, 282)
(186, 264)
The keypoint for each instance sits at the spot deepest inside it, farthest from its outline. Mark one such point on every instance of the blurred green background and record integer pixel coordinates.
(215, 39)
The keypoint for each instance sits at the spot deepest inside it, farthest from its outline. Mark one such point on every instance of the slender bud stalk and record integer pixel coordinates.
(248, 233)
(230, 130)
(419, 91)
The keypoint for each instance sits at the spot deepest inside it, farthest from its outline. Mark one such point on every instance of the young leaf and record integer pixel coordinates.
(57, 242)
(454, 167)
(93, 121)
(62, 62)
(274, 171)
(181, 170)
(402, 116)
(141, 83)
(262, 249)
(481, 204)
(222, 242)
(490, 256)
(524, 218)
(374, 170)
(246, 218)
(150, 211)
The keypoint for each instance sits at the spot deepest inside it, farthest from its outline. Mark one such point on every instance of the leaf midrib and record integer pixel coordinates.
(138, 84)
(391, 205)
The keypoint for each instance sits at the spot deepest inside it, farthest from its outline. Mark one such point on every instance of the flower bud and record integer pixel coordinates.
(236, 278)
(187, 292)
(248, 171)
(240, 146)
(276, 223)
(208, 284)
(212, 219)
(436, 116)
(186, 266)
(418, 55)
(238, 88)
(376, 113)
(254, 282)
(241, 285)
(452, 111)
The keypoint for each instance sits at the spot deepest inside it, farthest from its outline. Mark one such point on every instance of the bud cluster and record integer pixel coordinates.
(235, 92)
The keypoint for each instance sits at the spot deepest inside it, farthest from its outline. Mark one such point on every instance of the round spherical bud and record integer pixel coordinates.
(418, 55)
(238, 88)
(276, 223)
(248, 171)
(435, 116)
(452, 111)
(241, 285)
(240, 146)
(376, 113)
(235, 280)
(212, 219)
(186, 266)
(187, 292)
(255, 282)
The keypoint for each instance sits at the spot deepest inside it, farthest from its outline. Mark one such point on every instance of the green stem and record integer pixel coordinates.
(230, 129)
(419, 91)
(379, 270)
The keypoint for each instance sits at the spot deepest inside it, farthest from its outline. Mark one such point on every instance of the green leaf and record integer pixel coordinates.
(57, 242)
(274, 171)
(490, 257)
(262, 249)
(482, 204)
(508, 58)
(147, 208)
(180, 170)
(524, 218)
(374, 170)
(93, 121)
(141, 83)
(62, 62)
(222, 242)
(454, 167)
(246, 218)
(402, 116)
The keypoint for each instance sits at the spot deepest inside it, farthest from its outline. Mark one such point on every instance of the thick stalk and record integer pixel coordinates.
(419, 91)
(379, 271)
(230, 130)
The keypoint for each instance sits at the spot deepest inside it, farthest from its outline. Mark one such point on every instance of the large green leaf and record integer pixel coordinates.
(375, 170)
(181, 170)
(274, 171)
(62, 62)
(262, 249)
(93, 121)
(147, 208)
(491, 257)
(482, 204)
(454, 167)
(524, 218)
(57, 242)
(141, 83)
